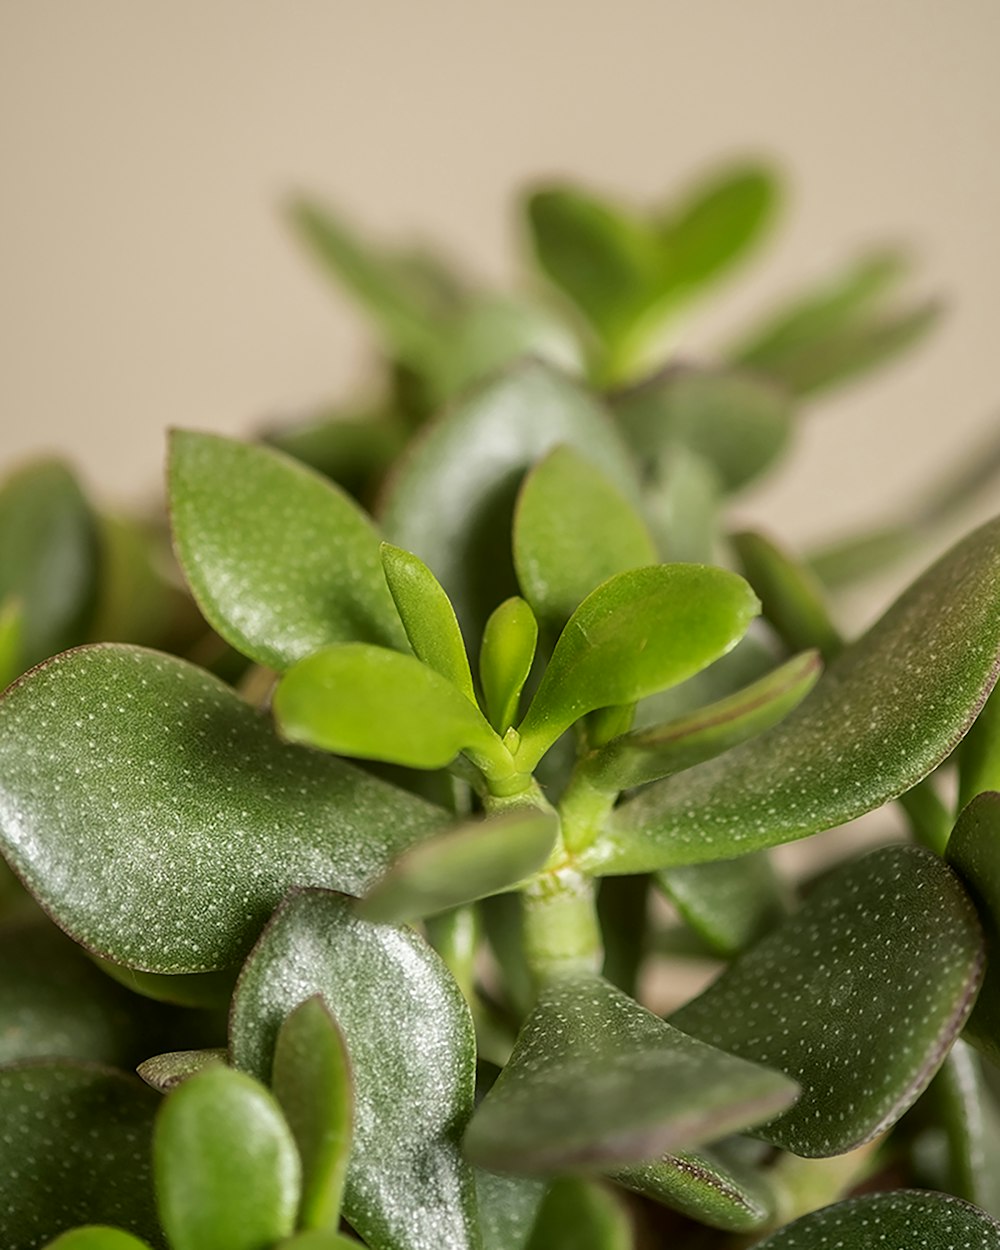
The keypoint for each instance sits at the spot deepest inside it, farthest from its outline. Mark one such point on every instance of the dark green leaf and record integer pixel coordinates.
(578, 1214)
(623, 914)
(97, 1237)
(354, 449)
(195, 989)
(505, 658)
(508, 1206)
(649, 1088)
(905, 1218)
(139, 600)
(887, 948)
(227, 1172)
(412, 1051)
(729, 903)
(280, 560)
(965, 1113)
(791, 599)
(157, 817)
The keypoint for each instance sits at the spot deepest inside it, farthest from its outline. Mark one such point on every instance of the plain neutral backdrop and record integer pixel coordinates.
(146, 278)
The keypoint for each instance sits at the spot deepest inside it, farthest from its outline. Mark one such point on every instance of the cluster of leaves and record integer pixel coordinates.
(368, 877)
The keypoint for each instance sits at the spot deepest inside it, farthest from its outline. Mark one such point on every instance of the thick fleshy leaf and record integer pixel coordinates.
(97, 1237)
(472, 861)
(505, 658)
(729, 903)
(227, 1171)
(649, 1088)
(791, 599)
(887, 947)
(905, 1218)
(508, 1206)
(412, 1051)
(352, 448)
(51, 1176)
(157, 817)
(312, 1082)
(578, 1214)
(319, 1239)
(979, 756)
(452, 498)
(639, 632)
(11, 639)
(573, 529)
(888, 710)
(280, 561)
(165, 1072)
(193, 989)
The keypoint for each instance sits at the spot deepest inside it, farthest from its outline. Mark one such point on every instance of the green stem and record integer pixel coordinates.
(561, 931)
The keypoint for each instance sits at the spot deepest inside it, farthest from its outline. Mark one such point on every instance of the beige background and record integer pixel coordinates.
(145, 278)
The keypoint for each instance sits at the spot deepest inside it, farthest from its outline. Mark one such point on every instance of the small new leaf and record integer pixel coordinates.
(505, 658)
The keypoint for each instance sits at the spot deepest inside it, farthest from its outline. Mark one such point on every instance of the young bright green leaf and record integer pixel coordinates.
(791, 600)
(647, 1087)
(165, 1072)
(578, 1214)
(312, 1082)
(508, 1206)
(729, 903)
(227, 1171)
(906, 1218)
(649, 754)
(427, 616)
(280, 561)
(171, 820)
(378, 704)
(963, 1110)
(886, 948)
(97, 1237)
(412, 1052)
(888, 710)
(573, 529)
(11, 639)
(979, 754)
(474, 860)
(639, 632)
(319, 1239)
(74, 1149)
(505, 657)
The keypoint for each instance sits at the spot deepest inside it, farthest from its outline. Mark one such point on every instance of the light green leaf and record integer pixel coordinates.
(312, 1083)
(227, 1172)
(649, 1088)
(573, 529)
(979, 754)
(508, 1206)
(472, 861)
(412, 1051)
(505, 658)
(791, 598)
(97, 1237)
(729, 903)
(427, 616)
(11, 639)
(163, 832)
(165, 1072)
(887, 946)
(280, 561)
(578, 1214)
(639, 632)
(319, 1239)
(889, 709)
(964, 1112)
(904, 1218)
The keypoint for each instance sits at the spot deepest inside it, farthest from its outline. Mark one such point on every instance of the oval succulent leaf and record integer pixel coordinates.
(649, 1087)
(165, 1072)
(319, 1239)
(578, 1214)
(729, 903)
(638, 633)
(791, 597)
(170, 821)
(412, 1052)
(508, 1206)
(888, 710)
(280, 561)
(857, 997)
(505, 658)
(97, 1237)
(227, 1172)
(573, 529)
(962, 1107)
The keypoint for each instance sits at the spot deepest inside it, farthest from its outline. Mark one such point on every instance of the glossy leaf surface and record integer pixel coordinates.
(791, 599)
(649, 1088)
(165, 1072)
(412, 1052)
(227, 1172)
(888, 710)
(280, 561)
(505, 659)
(170, 820)
(888, 947)
(51, 1176)
(97, 1237)
(905, 1218)
(578, 1214)
(729, 903)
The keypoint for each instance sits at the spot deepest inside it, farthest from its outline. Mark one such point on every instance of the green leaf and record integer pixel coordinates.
(904, 1218)
(578, 1214)
(505, 657)
(452, 497)
(508, 1206)
(312, 1082)
(979, 754)
(51, 1176)
(888, 710)
(428, 617)
(791, 598)
(649, 1088)
(729, 903)
(97, 1237)
(11, 639)
(280, 561)
(196, 989)
(227, 1172)
(639, 632)
(887, 947)
(412, 1052)
(859, 556)
(965, 1113)
(49, 558)
(165, 1072)
(352, 448)
(157, 817)
(649, 754)
(682, 498)
(319, 1239)
(474, 860)
(573, 529)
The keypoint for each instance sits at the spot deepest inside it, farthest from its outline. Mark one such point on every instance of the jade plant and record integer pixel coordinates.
(357, 859)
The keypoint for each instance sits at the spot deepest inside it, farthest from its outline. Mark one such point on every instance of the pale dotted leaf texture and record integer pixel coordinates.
(573, 529)
(857, 997)
(578, 1214)
(974, 853)
(729, 903)
(74, 1149)
(97, 1237)
(963, 1109)
(596, 1081)
(159, 820)
(227, 1171)
(165, 1072)
(886, 712)
(451, 498)
(508, 1207)
(411, 1046)
(280, 561)
(903, 1220)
